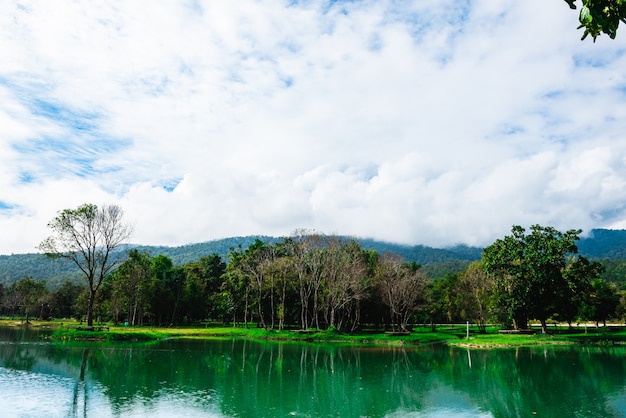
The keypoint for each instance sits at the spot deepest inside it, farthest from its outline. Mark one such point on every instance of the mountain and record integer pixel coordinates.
(604, 244)
(437, 262)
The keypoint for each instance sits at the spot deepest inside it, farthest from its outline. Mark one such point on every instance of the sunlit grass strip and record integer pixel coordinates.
(72, 332)
(601, 336)
(422, 335)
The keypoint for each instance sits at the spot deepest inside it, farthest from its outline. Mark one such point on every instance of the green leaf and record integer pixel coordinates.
(585, 15)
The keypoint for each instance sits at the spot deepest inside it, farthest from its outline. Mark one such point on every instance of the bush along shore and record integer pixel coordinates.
(454, 335)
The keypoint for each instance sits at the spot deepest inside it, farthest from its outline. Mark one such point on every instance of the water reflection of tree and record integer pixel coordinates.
(323, 381)
(80, 387)
(242, 377)
(544, 382)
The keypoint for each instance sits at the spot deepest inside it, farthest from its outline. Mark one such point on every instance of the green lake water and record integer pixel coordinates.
(237, 378)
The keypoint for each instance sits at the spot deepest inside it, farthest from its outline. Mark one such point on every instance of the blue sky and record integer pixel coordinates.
(430, 122)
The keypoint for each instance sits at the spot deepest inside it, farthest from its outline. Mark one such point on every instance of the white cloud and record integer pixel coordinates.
(424, 122)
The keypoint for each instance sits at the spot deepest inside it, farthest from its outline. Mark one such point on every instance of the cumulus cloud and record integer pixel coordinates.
(419, 122)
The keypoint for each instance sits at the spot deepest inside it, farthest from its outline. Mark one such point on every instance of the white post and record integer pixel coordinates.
(468, 330)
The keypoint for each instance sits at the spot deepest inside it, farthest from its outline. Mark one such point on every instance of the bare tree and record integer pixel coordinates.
(345, 282)
(309, 261)
(88, 236)
(401, 287)
(284, 271)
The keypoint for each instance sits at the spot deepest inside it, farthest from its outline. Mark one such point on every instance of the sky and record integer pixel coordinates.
(432, 122)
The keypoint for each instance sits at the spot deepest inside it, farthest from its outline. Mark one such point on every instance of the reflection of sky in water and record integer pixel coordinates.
(37, 395)
(618, 403)
(443, 402)
(439, 413)
(224, 378)
(27, 394)
(172, 403)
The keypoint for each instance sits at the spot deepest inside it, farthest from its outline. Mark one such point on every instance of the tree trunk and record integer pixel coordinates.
(316, 319)
(260, 310)
(134, 313)
(544, 326)
(357, 318)
(90, 303)
(245, 311)
(272, 304)
(520, 323)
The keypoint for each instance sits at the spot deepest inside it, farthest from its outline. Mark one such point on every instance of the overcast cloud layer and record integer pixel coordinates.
(429, 122)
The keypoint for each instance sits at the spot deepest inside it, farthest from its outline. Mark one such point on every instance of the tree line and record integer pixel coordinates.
(308, 281)
(311, 280)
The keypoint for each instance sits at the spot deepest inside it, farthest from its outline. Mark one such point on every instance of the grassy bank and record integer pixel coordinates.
(72, 332)
(445, 334)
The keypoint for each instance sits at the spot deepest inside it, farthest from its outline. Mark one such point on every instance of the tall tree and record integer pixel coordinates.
(345, 282)
(401, 287)
(283, 271)
(88, 236)
(309, 262)
(601, 303)
(161, 297)
(531, 272)
(476, 289)
(236, 285)
(130, 283)
(204, 278)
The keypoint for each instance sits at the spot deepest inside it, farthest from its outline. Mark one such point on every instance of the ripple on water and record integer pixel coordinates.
(28, 394)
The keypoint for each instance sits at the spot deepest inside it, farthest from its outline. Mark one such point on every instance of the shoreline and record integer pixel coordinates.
(447, 335)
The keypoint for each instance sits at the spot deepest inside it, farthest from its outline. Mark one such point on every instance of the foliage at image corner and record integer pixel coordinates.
(600, 16)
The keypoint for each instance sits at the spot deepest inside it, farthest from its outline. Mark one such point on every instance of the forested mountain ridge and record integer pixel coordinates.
(604, 244)
(600, 244)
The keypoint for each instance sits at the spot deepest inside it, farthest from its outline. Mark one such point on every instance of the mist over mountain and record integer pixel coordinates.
(600, 244)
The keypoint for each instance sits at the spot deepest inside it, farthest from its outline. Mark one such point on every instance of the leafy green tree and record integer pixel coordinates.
(236, 287)
(64, 300)
(204, 278)
(615, 271)
(246, 276)
(578, 273)
(88, 236)
(283, 270)
(129, 284)
(443, 301)
(620, 311)
(166, 290)
(601, 303)
(26, 296)
(600, 16)
(531, 272)
(476, 290)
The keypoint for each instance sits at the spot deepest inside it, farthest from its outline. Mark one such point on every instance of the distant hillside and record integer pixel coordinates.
(437, 262)
(604, 244)
(193, 252)
(17, 266)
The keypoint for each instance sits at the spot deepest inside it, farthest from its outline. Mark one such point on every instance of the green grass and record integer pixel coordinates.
(72, 332)
(602, 336)
(444, 334)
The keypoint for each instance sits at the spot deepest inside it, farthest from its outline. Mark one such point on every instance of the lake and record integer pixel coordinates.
(239, 378)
